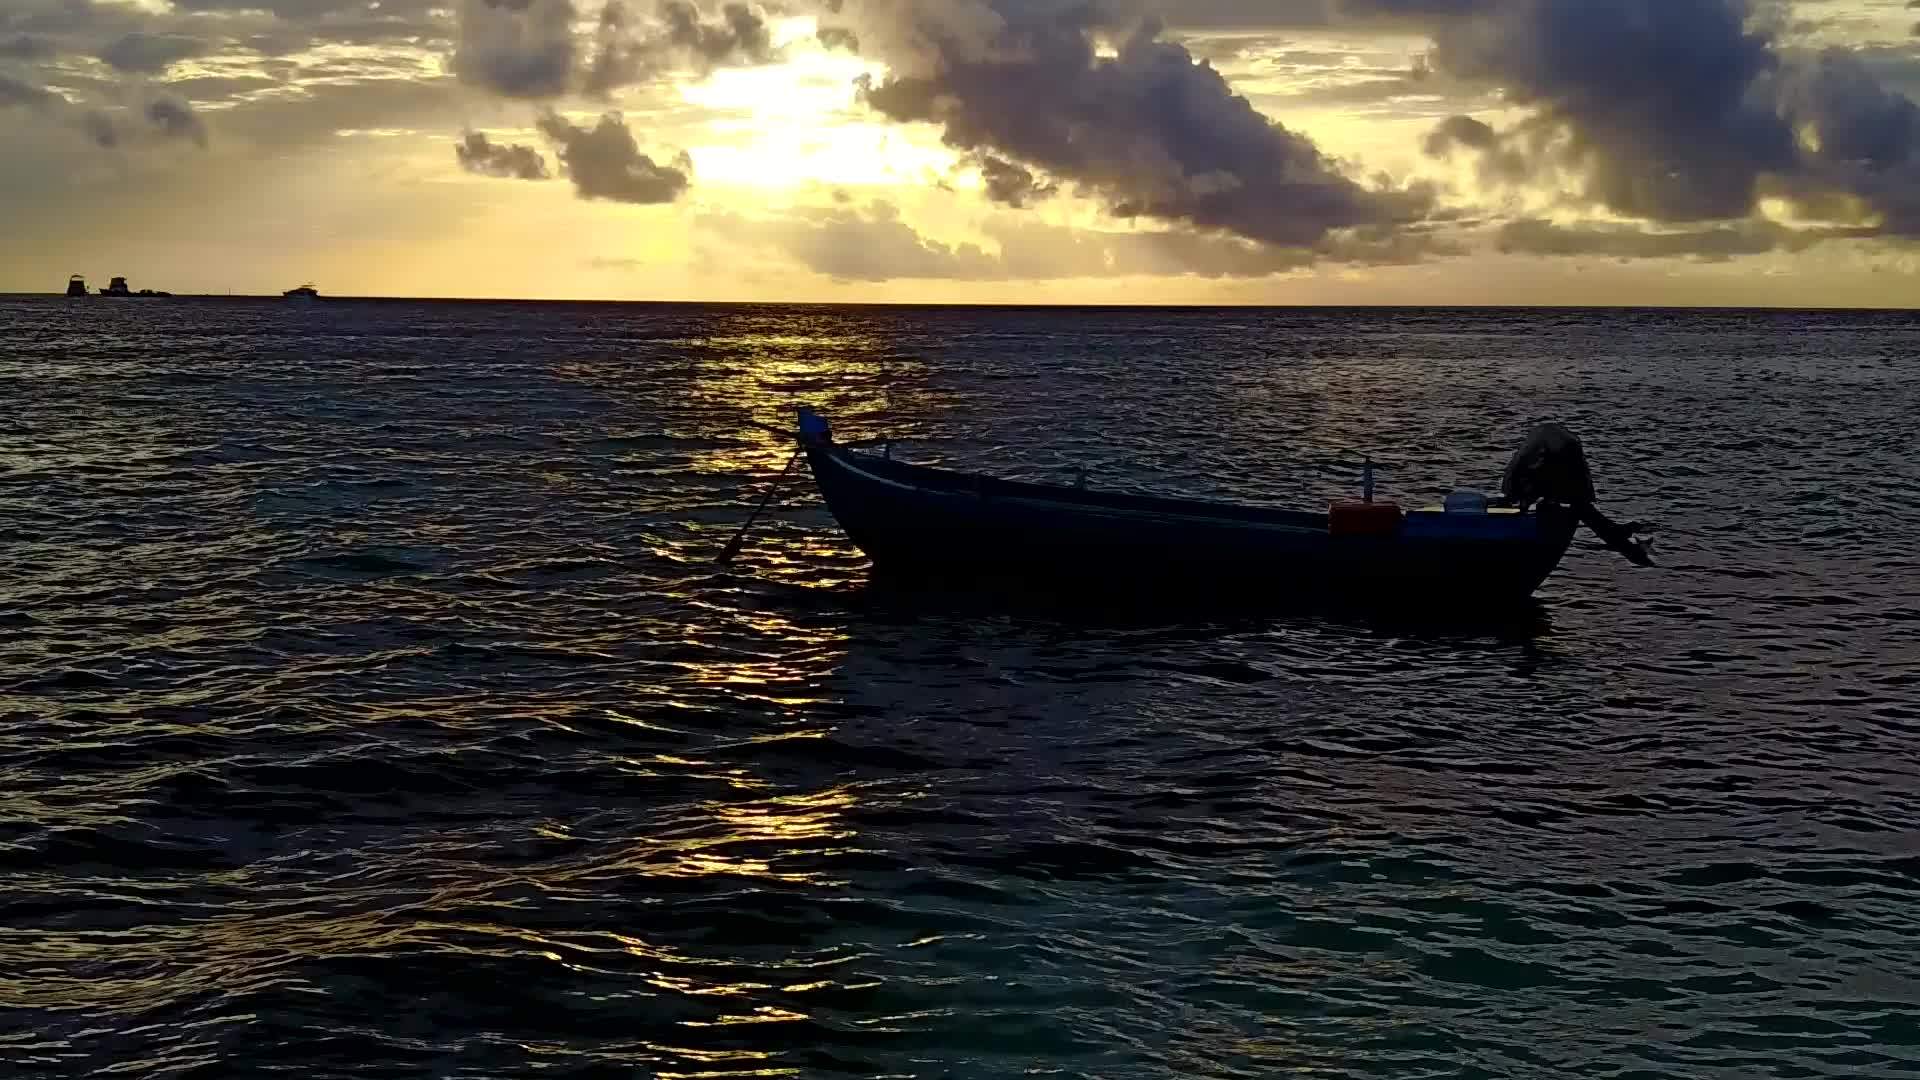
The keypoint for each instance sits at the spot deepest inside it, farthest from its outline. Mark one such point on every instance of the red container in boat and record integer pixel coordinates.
(1363, 519)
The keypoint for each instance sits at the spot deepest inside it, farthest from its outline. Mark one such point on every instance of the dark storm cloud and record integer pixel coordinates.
(478, 154)
(516, 48)
(604, 162)
(1678, 110)
(150, 54)
(1868, 139)
(1149, 131)
(1654, 97)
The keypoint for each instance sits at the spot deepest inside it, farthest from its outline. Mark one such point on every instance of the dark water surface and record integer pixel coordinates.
(374, 710)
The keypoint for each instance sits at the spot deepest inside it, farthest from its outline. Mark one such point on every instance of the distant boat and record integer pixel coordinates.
(117, 287)
(303, 293)
(76, 286)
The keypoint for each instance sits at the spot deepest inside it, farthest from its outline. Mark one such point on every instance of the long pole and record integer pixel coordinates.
(733, 546)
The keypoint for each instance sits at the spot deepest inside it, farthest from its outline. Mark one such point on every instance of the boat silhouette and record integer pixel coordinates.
(925, 523)
(76, 286)
(303, 293)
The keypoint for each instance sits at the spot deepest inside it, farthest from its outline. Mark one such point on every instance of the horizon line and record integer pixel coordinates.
(986, 305)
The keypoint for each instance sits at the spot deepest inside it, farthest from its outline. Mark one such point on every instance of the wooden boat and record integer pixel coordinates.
(920, 522)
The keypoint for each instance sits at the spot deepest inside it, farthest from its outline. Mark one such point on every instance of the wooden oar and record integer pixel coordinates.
(733, 546)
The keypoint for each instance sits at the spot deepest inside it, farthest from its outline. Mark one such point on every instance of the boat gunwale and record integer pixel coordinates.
(929, 480)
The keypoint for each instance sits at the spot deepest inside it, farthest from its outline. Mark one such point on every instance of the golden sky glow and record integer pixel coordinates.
(325, 153)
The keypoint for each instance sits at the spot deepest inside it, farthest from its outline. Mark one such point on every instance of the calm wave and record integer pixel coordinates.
(375, 709)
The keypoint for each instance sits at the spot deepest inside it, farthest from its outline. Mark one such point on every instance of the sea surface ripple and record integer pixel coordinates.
(375, 708)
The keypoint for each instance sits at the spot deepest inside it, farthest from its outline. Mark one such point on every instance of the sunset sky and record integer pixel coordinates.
(1233, 151)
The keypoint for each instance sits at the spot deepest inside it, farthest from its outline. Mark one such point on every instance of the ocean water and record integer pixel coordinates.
(374, 708)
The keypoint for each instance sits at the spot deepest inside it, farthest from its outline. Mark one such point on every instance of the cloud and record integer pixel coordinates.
(14, 92)
(1147, 130)
(1677, 111)
(1620, 241)
(1034, 251)
(1462, 131)
(25, 47)
(628, 51)
(838, 37)
(605, 162)
(1499, 164)
(477, 154)
(874, 244)
(619, 57)
(150, 54)
(312, 10)
(1010, 184)
(161, 119)
(100, 128)
(527, 49)
(175, 119)
(741, 32)
(1865, 139)
(287, 123)
(516, 48)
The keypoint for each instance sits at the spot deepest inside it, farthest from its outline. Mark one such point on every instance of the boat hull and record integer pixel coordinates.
(921, 523)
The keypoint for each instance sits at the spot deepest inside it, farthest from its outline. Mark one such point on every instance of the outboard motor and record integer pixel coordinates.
(1551, 467)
